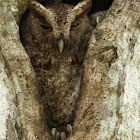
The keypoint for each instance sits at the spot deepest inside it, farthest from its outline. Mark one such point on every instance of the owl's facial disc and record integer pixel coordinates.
(61, 45)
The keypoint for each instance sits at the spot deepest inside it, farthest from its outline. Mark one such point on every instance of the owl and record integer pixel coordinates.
(55, 36)
(97, 17)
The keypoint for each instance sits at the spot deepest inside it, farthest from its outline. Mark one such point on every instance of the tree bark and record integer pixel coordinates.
(108, 107)
(21, 113)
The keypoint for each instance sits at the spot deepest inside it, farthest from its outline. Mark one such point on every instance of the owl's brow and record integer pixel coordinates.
(41, 10)
(82, 8)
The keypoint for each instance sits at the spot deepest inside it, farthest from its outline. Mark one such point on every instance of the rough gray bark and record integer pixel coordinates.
(109, 105)
(20, 112)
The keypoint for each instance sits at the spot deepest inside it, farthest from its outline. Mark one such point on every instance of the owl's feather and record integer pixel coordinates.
(44, 30)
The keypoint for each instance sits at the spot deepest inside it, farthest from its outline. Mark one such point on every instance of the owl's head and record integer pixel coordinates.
(59, 20)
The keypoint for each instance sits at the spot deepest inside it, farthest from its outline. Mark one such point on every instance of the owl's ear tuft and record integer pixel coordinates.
(82, 8)
(39, 9)
(35, 6)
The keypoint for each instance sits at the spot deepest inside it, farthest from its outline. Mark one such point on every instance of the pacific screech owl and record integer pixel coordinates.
(97, 17)
(55, 36)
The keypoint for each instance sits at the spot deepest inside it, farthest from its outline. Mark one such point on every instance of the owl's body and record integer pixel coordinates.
(56, 44)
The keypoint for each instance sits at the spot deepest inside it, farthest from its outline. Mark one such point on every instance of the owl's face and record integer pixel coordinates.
(58, 24)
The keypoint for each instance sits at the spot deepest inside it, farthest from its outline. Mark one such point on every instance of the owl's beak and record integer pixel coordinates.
(61, 45)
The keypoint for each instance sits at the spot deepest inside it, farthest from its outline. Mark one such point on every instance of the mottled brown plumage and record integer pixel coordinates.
(55, 36)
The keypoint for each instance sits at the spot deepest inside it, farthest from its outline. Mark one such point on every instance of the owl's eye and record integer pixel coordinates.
(46, 27)
(74, 25)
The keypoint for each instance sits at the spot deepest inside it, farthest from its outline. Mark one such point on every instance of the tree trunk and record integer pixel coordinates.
(21, 114)
(108, 107)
